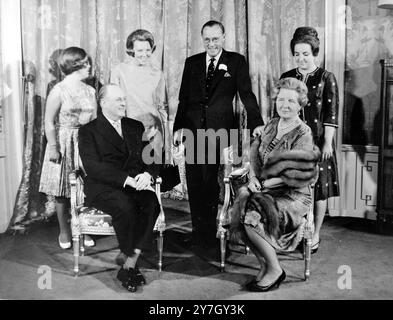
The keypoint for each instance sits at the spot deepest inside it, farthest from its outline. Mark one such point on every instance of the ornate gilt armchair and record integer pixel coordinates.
(89, 220)
(233, 179)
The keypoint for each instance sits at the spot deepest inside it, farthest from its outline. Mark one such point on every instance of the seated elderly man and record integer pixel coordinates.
(118, 181)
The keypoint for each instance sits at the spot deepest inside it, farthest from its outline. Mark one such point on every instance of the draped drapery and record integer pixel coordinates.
(259, 29)
(11, 113)
(271, 25)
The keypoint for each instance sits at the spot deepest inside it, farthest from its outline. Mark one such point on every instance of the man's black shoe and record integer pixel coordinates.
(139, 276)
(127, 281)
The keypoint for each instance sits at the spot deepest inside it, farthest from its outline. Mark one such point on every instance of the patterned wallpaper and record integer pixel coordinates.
(369, 38)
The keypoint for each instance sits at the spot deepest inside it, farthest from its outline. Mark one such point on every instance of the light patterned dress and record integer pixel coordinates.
(144, 86)
(77, 108)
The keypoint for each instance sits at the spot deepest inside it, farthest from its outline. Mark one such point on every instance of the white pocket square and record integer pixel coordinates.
(227, 74)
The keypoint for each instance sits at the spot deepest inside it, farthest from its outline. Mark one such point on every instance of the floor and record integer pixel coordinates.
(353, 263)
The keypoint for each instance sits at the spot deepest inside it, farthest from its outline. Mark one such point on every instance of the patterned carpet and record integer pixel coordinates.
(190, 274)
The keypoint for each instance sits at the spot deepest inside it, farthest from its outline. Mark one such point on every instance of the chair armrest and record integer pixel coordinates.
(74, 203)
(73, 184)
(309, 226)
(240, 172)
(160, 224)
(310, 213)
(222, 215)
(223, 218)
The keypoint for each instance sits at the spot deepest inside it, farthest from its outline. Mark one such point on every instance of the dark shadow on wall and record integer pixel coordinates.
(361, 118)
(354, 131)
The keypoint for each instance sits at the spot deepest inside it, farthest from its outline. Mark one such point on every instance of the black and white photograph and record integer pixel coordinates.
(219, 151)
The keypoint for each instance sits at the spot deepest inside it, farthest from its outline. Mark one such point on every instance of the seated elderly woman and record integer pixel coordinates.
(272, 208)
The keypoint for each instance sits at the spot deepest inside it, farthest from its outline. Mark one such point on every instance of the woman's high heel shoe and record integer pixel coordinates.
(255, 287)
(88, 242)
(64, 245)
(315, 247)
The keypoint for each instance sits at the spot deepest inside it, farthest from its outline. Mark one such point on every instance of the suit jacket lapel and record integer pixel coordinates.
(110, 133)
(202, 74)
(219, 74)
(130, 136)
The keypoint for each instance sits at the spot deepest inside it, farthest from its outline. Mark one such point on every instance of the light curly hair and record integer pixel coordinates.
(292, 84)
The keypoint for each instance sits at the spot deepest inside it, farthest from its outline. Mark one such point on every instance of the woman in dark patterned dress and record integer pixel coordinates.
(321, 115)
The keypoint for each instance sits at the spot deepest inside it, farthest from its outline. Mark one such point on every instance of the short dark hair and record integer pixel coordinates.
(73, 59)
(212, 23)
(306, 35)
(295, 85)
(141, 35)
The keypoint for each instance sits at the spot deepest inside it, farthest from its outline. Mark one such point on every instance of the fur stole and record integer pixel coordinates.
(263, 204)
(297, 168)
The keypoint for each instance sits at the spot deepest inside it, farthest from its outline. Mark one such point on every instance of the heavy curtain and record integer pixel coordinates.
(259, 29)
(11, 110)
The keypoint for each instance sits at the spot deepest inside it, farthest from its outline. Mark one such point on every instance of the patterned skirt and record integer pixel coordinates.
(327, 185)
(55, 176)
(292, 206)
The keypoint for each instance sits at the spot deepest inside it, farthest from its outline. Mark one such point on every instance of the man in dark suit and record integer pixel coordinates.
(118, 181)
(210, 82)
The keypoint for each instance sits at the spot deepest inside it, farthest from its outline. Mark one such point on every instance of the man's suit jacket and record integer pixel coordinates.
(108, 159)
(218, 107)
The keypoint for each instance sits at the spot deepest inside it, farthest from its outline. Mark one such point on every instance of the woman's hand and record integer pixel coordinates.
(327, 148)
(254, 185)
(327, 151)
(177, 138)
(54, 154)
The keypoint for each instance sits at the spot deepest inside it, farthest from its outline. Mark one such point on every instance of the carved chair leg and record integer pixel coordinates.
(307, 257)
(82, 245)
(75, 240)
(160, 247)
(222, 250)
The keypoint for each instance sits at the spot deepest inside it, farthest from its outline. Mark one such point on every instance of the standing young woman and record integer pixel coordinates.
(144, 85)
(70, 104)
(320, 114)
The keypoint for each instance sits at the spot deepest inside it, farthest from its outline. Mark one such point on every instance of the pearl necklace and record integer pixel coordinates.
(283, 130)
(289, 126)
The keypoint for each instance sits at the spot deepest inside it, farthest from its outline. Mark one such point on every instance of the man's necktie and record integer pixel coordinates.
(117, 126)
(210, 73)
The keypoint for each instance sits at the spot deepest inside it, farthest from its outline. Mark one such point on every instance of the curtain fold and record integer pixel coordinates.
(271, 25)
(13, 117)
(259, 29)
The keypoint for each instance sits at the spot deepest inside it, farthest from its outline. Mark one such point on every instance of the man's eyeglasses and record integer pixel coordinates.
(213, 40)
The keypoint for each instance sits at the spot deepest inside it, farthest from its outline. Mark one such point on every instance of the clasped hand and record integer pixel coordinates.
(254, 185)
(177, 138)
(141, 182)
